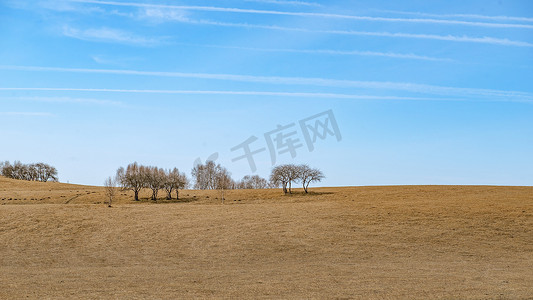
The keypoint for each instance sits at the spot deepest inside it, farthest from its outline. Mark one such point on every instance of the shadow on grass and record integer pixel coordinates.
(164, 200)
(311, 193)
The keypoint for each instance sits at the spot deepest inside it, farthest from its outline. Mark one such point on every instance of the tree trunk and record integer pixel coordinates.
(177, 194)
(136, 195)
(305, 187)
(290, 187)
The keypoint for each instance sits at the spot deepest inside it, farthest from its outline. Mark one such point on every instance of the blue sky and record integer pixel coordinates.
(422, 92)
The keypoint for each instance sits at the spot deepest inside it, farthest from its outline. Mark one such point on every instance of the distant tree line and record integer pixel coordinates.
(31, 172)
(211, 176)
(137, 177)
(208, 176)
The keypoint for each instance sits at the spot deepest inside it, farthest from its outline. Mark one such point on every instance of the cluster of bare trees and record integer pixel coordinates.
(32, 172)
(253, 182)
(137, 177)
(208, 176)
(211, 176)
(286, 175)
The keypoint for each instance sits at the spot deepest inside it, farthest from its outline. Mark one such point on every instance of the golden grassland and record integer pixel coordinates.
(341, 243)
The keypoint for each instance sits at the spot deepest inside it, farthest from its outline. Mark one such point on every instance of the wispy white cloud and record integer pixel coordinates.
(176, 15)
(270, 94)
(163, 15)
(121, 61)
(25, 114)
(234, 93)
(100, 60)
(53, 5)
(301, 3)
(109, 35)
(311, 14)
(307, 81)
(465, 16)
(494, 18)
(334, 52)
(62, 100)
(450, 38)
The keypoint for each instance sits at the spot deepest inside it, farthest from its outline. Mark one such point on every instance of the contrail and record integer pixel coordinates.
(25, 114)
(66, 100)
(450, 38)
(212, 92)
(329, 52)
(253, 93)
(309, 14)
(380, 85)
(286, 2)
(469, 16)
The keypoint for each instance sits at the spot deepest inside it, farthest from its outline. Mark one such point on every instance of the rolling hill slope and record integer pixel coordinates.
(353, 242)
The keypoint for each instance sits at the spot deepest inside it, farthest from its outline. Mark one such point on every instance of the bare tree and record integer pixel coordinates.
(171, 177)
(308, 175)
(206, 176)
(183, 184)
(223, 181)
(213, 177)
(133, 178)
(48, 173)
(18, 170)
(293, 173)
(155, 180)
(273, 185)
(244, 183)
(280, 177)
(32, 172)
(259, 182)
(110, 189)
(252, 182)
(200, 176)
(7, 169)
(174, 181)
(44, 172)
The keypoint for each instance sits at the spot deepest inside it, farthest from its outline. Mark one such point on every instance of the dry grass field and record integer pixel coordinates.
(426, 242)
